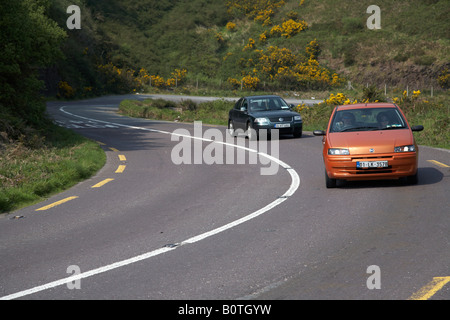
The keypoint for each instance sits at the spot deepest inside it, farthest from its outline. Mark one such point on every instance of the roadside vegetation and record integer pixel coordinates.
(36, 166)
(37, 158)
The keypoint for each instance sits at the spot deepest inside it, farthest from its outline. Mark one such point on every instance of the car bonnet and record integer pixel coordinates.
(362, 142)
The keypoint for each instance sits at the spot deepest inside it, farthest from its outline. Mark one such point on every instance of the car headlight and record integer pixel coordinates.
(337, 151)
(297, 118)
(410, 148)
(262, 121)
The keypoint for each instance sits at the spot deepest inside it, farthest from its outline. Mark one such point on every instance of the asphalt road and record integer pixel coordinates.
(145, 227)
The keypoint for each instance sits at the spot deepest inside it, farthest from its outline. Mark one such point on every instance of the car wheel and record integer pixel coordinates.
(231, 130)
(252, 134)
(297, 133)
(330, 183)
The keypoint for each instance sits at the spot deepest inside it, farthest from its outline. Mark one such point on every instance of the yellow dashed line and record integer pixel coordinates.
(100, 184)
(440, 164)
(120, 169)
(113, 149)
(57, 203)
(430, 289)
(122, 157)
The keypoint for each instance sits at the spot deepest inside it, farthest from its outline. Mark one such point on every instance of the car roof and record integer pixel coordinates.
(367, 105)
(263, 96)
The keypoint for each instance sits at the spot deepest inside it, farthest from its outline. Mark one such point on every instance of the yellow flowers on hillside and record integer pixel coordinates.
(178, 76)
(250, 82)
(339, 99)
(405, 98)
(231, 26)
(274, 64)
(444, 79)
(281, 65)
(250, 44)
(258, 10)
(291, 27)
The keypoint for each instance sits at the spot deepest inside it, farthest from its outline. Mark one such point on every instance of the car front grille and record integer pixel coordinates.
(277, 119)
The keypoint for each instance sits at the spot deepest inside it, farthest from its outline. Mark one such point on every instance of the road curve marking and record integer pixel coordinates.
(122, 157)
(440, 164)
(102, 183)
(295, 184)
(430, 289)
(57, 203)
(121, 169)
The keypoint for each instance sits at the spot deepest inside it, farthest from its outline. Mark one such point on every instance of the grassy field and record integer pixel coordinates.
(32, 169)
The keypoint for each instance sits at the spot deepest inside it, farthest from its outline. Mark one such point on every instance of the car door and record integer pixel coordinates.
(234, 113)
(242, 115)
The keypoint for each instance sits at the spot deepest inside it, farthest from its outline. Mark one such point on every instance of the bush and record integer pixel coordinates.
(372, 94)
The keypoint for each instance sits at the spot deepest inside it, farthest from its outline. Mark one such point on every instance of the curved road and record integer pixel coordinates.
(147, 228)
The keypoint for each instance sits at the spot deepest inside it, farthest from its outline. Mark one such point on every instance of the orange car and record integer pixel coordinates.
(369, 141)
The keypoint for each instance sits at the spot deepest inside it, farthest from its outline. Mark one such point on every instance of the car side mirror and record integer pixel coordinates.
(319, 133)
(417, 128)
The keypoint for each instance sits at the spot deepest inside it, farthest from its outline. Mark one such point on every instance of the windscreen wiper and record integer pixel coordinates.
(359, 128)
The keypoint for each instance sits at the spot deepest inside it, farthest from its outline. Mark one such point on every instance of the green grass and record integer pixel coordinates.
(37, 168)
(214, 112)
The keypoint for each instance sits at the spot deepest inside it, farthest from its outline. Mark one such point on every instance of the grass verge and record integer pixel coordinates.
(36, 167)
(213, 112)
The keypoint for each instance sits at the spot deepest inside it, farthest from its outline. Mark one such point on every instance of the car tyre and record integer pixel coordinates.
(252, 134)
(330, 183)
(298, 133)
(231, 130)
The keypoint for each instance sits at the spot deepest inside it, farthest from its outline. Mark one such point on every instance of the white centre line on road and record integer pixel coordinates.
(295, 184)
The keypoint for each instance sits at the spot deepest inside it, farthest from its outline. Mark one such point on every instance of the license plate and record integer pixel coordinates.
(282, 125)
(371, 164)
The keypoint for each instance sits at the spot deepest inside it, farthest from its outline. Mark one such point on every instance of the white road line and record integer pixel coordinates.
(295, 183)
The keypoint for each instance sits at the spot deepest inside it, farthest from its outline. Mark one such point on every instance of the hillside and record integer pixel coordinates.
(220, 42)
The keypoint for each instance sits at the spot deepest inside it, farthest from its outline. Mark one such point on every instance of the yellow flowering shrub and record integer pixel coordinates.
(313, 49)
(276, 31)
(263, 37)
(231, 26)
(291, 27)
(250, 44)
(234, 82)
(258, 10)
(444, 79)
(158, 81)
(415, 95)
(339, 99)
(219, 37)
(250, 82)
(65, 90)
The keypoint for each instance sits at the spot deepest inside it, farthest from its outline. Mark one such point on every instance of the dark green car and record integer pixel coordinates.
(270, 112)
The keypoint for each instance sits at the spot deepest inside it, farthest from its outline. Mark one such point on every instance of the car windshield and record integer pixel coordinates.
(367, 119)
(267, 104)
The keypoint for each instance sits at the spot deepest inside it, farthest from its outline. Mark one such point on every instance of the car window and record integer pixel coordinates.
(267, 104)
(237, 106)
(367, 119)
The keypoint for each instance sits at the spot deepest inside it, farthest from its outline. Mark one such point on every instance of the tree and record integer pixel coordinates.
(29, 41)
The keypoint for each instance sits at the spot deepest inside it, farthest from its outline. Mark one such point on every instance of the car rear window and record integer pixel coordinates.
(267, 103)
